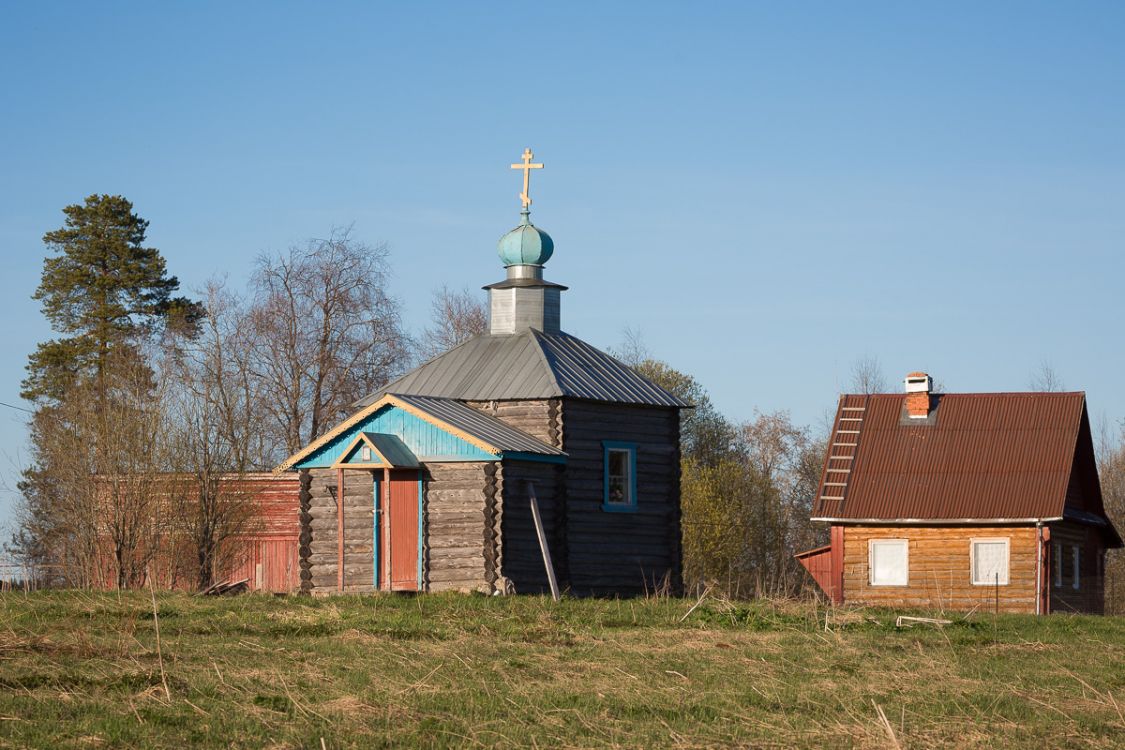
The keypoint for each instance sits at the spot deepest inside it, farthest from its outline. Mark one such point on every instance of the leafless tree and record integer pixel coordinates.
(325, 332)
(456, 316)
(93, 514)
(789, 460)
(633, 349)
(1046, 379)
(217, 406)
(1111, 469)
(867, 376)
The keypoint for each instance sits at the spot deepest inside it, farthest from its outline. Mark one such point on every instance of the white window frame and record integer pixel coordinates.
(1076, 560)
(973, 542)
(871, 545)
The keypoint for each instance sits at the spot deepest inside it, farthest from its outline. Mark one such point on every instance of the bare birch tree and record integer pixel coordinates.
(1046, 379)
(867, 376)
(93, 513)
(217, 413)
(325, 333)
(455, 316)
(1111, 469)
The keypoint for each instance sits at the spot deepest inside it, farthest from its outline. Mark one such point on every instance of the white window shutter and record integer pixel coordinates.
(990, 562)
(889, 562)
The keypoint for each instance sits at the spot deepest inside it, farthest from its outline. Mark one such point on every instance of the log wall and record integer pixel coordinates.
(459, 528)
(611, 553)
(939, 575)
(359, 519)
(304, 541)
(521, 555)
(538, 418)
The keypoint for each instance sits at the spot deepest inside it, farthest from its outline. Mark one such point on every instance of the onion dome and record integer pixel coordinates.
(526, 245)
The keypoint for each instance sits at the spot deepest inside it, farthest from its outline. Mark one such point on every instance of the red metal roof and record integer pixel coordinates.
(977, 456)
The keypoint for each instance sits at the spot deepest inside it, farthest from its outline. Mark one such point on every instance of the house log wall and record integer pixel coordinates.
(359, 561)
(622, 552)
(521, 554)
(304, 541)
(1090, 594)
(538, 418)
(460, 526)
(939, 575)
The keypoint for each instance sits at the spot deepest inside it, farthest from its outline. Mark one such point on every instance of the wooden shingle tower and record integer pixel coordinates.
(427, 485)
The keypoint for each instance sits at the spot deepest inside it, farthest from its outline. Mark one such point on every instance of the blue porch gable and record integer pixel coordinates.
(426, 440)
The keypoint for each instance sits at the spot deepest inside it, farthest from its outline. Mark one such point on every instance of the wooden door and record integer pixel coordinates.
(400, 533)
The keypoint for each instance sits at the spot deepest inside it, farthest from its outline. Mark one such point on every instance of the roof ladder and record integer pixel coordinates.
(842, 450)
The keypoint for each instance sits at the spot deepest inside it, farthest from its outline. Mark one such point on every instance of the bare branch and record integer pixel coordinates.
(456, 317)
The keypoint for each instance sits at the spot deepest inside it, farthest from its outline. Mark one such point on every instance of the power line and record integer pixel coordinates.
(17, 408)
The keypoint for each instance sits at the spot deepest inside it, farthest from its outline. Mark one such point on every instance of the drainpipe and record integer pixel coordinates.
(1039, 567)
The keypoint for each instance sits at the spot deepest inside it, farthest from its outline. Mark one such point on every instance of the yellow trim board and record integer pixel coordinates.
(362, 414)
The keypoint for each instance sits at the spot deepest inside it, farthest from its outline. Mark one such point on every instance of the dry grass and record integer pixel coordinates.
(81, 670)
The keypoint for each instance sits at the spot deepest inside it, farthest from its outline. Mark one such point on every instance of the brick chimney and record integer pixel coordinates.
(918, 387)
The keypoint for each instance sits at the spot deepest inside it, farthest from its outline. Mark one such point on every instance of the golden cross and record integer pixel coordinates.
(527, 166)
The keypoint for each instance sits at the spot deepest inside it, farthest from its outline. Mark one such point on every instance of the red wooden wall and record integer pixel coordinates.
(266, 556)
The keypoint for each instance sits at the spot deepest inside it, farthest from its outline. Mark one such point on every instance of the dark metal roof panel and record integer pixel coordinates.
(528, 365)
(481, 426)
(981, 455)
(585, 372)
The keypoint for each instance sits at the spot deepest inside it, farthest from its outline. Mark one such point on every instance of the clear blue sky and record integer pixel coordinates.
(766, 191)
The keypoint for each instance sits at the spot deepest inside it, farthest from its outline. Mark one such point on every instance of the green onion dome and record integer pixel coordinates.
(526, 245)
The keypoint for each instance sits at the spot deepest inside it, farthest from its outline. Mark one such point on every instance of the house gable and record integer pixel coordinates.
(406, 430)
(377, 450)
(423, 438)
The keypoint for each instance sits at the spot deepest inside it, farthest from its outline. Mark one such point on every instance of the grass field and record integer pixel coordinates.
(82, 670)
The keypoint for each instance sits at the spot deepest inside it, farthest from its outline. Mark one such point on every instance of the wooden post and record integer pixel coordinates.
(340, 529)
(542, 541)
(387, 527)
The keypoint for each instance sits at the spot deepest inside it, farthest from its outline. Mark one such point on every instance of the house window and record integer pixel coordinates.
(365, 453)
(620, 476)
(1076, 562)
(989, 562)
(1058, 564)
(888, 561)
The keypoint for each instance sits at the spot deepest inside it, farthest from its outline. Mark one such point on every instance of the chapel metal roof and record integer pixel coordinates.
(528, 365)
(978, 456)
(484, 427)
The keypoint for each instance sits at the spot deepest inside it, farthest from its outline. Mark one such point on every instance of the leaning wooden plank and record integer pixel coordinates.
(543, 541)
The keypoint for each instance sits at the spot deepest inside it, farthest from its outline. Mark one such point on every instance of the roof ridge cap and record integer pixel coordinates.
(536, 335)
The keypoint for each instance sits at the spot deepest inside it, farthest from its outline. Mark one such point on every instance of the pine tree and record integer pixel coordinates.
(96, 428)
(103, 290)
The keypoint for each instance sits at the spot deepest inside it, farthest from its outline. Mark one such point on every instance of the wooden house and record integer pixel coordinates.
(428, 485)
(961, 501)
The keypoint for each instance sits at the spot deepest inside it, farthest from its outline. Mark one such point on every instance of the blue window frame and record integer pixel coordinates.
(620, 470)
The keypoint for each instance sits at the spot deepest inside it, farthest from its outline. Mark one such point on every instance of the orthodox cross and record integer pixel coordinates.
(527, 166)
